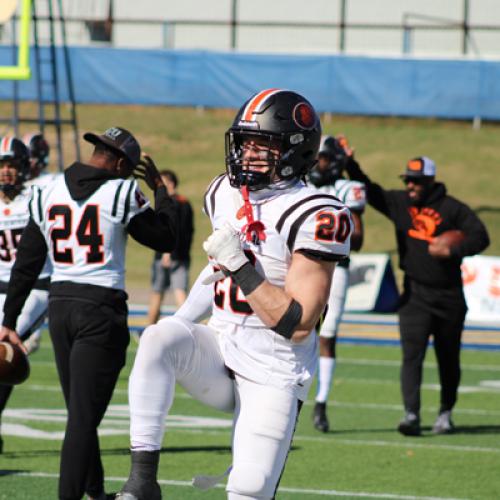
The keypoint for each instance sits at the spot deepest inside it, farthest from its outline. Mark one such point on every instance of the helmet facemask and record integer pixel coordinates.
(15, 155)
(9, 186)
(269, 165)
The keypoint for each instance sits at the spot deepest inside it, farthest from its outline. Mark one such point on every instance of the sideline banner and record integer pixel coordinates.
(481, 277)
(372, 287)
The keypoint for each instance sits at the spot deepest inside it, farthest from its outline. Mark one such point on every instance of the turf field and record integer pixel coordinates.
(363, 457)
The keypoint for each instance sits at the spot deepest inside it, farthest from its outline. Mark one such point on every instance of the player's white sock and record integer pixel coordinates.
(325, 377)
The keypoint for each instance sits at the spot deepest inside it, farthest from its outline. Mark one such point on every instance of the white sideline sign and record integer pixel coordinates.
(481, 278)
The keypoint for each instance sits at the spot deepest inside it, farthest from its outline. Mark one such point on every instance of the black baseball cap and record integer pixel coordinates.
(120, 140)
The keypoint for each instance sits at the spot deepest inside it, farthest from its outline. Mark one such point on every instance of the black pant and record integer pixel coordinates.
(424, 312)
(90, 342)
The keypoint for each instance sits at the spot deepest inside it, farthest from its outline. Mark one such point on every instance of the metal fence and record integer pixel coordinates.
(341, 31)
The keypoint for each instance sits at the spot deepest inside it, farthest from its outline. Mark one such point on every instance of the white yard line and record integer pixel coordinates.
(296, 491)
(341, 404)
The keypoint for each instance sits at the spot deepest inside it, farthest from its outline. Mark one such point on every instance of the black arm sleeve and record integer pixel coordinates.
(30, 258)
(476, 235)
(377, 197)
(157, 229)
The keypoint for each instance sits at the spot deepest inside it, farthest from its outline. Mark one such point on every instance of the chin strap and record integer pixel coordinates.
(254, 230)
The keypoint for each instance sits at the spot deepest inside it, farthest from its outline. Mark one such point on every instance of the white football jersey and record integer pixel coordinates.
(13, 218)
(43, 180)
(298, 218)
(351, 193)
(86, 239)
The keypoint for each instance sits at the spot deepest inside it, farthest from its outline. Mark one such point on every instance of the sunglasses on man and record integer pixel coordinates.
(418, 181)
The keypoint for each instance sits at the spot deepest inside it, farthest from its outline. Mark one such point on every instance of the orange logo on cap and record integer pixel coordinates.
(415, 165)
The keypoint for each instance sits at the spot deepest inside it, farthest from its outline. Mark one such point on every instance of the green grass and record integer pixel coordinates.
(191, 142)
(363, 453)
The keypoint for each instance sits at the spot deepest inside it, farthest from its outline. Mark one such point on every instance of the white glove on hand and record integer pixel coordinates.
(224, 246)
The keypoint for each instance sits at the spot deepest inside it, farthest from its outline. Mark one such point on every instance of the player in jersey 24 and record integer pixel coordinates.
(14, 215)
(327, 176)
(276, 241)
(82, 220)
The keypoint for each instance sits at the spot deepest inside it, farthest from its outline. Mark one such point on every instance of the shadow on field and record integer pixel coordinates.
(477, 429)
(5, 472)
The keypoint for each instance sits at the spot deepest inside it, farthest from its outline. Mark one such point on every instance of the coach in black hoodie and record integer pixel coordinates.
(432, 302)
(81, 222)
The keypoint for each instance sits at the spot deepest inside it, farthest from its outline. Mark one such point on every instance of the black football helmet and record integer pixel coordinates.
(38, 149)
(15, 152)
(289, 124)
(334, 153)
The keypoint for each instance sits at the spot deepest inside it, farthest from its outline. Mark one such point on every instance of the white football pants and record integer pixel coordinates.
(336, 302)
(33, 313)
(176, 350)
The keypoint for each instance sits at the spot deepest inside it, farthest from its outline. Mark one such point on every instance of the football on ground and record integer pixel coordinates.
(14, 364)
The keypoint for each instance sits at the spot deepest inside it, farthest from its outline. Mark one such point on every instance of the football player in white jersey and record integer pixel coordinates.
(39, 151)
(14, 215)
(39, 160)
(273, 249)
(81, 221)
(327, 177)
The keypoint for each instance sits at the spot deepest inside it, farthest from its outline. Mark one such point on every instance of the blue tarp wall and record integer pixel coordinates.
(340, 84)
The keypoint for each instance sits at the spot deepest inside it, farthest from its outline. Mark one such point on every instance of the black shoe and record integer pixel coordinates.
(320, 419)
(410, 425)
(142, 483)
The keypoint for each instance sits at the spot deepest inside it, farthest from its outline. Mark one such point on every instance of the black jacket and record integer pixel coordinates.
(416, 225)
(182, 250)
(156, 229)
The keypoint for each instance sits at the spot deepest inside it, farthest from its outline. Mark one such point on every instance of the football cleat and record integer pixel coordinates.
(320, 420)
(410, 425)
(142, 483)
(443, 424)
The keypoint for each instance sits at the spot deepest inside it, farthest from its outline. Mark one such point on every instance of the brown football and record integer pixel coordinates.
(452, 237)
(14, 364)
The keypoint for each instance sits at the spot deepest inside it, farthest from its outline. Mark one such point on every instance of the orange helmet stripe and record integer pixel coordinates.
(256, 103)
(5, 146)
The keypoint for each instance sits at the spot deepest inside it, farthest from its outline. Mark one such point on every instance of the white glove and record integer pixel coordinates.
(224, 246)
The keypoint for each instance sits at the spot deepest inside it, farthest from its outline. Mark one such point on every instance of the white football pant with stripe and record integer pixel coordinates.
(176, 350)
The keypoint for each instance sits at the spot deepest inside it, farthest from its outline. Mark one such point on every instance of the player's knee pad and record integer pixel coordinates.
(170, 339)
(248, 480)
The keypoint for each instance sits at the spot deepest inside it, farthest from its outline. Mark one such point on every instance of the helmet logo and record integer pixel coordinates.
(247, 124)
(286, 171)
(304, 116)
